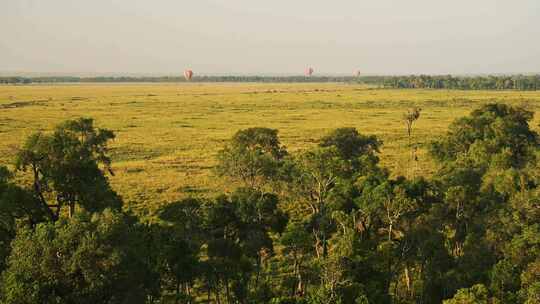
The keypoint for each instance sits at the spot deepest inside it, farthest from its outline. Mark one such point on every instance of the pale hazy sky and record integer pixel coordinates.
(270, 36)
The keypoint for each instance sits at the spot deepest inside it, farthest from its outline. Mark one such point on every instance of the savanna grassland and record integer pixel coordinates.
(167, 135)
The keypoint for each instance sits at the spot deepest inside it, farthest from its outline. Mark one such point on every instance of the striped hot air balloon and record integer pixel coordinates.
(308, 72)
(188, 74)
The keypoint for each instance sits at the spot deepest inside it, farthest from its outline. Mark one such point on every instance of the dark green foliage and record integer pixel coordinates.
(69, 167)
(493, 131)
(350, 143)
(221, 244)
(356, 150)
(178, 247)
(239, 241)
(253, 156)
(518, 82)
(7, 222)
(16, 205)
(477, 294)
(97, 258)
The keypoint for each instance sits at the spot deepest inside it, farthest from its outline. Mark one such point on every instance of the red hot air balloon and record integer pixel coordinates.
(188, 74)
(308, 71)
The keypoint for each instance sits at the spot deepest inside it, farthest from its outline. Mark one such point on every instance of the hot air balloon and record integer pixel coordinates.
(308, 71)
(188, 74)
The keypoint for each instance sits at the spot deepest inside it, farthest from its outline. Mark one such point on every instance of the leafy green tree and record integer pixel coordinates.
(316, 174)
(393, 210)
(497, 128)
(179, 243)
(477, 294)
(357, 151)
(68, 167)
(98, 258)
(530, 280)
(7, 221)
(486, 183)
(17, 206)
(238, 241)
(297, 248)
(481, 160)
(505, 281)
(350, 143)
(252, 157)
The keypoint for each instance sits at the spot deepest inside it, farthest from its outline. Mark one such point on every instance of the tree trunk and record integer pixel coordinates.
(37, 189)
(259, 263)
(71, 209)
(218, 299)
(227, 292)
(317, 244)
(408, 280)
(209, 291)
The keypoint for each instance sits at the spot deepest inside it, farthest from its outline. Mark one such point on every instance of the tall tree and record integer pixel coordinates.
(68, 167)
(357, 150)
(98, 258)
(17, 206)
(252, 157)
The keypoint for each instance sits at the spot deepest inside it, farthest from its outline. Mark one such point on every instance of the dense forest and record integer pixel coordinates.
(325, 225)
(516, 82)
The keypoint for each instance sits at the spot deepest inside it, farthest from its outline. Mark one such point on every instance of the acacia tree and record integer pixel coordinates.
(68, 167)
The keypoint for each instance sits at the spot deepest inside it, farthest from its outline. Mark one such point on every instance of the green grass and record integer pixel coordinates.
(168, 134)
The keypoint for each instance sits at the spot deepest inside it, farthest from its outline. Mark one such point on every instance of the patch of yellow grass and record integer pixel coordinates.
(168, 134)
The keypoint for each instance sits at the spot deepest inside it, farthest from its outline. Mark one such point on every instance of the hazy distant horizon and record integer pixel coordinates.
(262, 74)
(220, 37)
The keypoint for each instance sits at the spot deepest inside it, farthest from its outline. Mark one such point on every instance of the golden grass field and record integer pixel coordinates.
(168, 134)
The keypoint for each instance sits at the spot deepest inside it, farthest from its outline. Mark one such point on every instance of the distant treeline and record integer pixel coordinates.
(515, 82)
(518, 82)
(232, 78)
